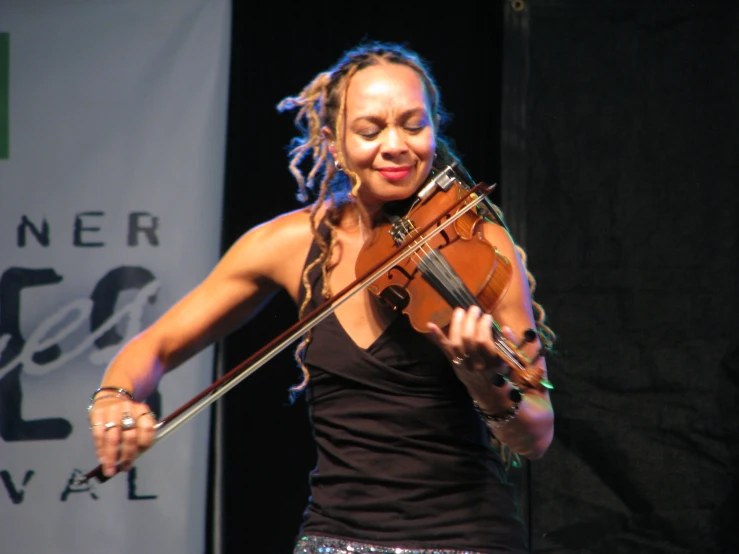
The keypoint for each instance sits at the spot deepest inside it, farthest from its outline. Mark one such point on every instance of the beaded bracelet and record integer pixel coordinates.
(496, 421)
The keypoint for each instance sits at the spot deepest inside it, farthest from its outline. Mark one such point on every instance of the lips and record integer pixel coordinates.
(394, 173)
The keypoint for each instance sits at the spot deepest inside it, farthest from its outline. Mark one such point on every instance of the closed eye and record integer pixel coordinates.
(415, 128)
(369, 136)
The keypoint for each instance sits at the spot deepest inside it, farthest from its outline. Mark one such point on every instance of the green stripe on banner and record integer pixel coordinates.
(4, 96)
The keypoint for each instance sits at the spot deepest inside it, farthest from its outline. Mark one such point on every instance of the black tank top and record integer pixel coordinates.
(402, 458)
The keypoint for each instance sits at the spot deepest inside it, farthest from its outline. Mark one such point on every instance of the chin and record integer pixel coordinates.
(399, 191)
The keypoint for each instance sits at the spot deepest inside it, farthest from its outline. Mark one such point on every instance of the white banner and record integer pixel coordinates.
(112, 134)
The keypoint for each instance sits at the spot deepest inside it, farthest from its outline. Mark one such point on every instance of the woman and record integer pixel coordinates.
(403, 420)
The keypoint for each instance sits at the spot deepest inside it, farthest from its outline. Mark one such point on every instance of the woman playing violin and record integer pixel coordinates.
(411, 428)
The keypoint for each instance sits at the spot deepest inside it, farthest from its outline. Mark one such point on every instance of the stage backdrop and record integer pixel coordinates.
(112, 130)
(621, 142)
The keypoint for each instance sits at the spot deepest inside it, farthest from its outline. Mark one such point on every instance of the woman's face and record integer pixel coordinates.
(389, 138)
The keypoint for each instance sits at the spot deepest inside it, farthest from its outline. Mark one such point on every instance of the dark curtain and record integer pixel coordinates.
(625, 150)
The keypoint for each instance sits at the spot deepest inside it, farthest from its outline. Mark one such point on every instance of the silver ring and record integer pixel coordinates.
(127, 422)
(109, 425)
(152, 414)
(457, 360)
(98, 424)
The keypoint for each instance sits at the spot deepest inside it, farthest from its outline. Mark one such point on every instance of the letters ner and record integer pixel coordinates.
(84, 225)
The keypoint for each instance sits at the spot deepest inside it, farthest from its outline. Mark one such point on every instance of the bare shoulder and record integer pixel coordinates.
(276, 249)
(282, 229)
(501, 239)
(514, 309)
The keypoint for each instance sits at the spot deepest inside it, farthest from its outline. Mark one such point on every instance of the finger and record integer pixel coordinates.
(473, 350)
(109, 412)
(437, 335)
(455, 334)
(509, 334)
(111, 447)
(469, 324)
(484, 329)
(487, 351)
(99, 416)
(512, 388)
(97, 435)
(477, 347)
(129, 449)
(129, 442)
(146, 422)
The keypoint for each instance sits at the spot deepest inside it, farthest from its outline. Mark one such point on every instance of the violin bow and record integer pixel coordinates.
(228, 381)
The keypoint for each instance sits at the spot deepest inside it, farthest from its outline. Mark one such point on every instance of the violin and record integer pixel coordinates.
(457, 267)
(425, 263)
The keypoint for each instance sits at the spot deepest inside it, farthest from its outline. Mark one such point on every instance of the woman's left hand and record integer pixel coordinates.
(469, 342)
(470, 346)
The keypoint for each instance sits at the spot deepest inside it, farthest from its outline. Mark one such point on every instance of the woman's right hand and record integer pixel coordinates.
(121, 428)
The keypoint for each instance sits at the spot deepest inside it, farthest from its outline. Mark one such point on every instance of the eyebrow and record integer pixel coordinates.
(403, 115)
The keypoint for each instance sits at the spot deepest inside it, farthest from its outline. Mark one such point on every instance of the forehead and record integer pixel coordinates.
(385, 87)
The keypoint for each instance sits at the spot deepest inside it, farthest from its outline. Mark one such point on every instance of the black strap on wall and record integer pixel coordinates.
(513, 167)
(514, 173)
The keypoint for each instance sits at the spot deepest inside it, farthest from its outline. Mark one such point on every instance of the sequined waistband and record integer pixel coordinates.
(311, 544)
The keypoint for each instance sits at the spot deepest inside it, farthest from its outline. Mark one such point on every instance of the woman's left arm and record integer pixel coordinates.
(525, 424)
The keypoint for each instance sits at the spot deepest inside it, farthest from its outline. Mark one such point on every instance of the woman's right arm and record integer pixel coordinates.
(262, 261)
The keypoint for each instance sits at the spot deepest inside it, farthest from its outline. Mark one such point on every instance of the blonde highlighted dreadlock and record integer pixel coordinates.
(322, 104)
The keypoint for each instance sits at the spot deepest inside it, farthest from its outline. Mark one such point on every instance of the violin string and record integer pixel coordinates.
(437, 266)
(442, 277)
(448, 281)
(434, 265)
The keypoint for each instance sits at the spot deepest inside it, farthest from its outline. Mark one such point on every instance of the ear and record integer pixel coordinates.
(437, 121)
(328, 135)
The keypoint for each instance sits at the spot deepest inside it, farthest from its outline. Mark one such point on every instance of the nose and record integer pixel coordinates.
(394, 142)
